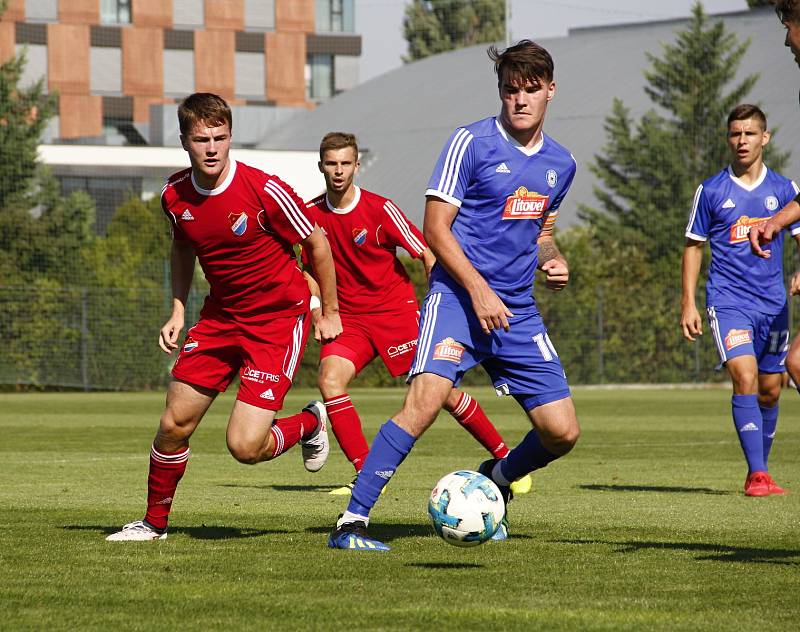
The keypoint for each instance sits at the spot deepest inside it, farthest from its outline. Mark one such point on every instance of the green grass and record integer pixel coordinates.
(642, 527)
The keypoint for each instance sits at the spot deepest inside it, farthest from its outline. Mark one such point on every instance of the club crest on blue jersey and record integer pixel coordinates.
(771, 203)
(525, 204)
(359, 236)
(238, 223)
(552, 178)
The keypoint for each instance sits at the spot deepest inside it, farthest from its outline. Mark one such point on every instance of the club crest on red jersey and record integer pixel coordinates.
(525, 204)
(238, 223)
(359, 236)
(190, 344)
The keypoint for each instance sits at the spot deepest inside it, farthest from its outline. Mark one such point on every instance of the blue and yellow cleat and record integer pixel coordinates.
(502, 530)
(522, 485)
(352, 536)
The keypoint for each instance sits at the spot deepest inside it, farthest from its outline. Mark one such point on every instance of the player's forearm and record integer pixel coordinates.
(324, 272)
(690, 271)
(789, 214)
(548, 251)
(182, 260)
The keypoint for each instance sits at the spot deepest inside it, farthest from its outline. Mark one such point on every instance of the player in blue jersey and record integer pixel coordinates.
(491, 204)
(745, 296)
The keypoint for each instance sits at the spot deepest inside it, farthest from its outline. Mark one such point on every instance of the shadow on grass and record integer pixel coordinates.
(445, 565)
(199, 533)
(655, 488)
(707, 552)
(284, 488)
(389, 532)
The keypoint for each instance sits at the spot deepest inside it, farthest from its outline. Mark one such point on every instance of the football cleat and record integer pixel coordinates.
(352, 536)
(502, 530)
(522, 485)
(138, 531)
(315, 449)
(347, 488)
(757, 484)
(774, 488)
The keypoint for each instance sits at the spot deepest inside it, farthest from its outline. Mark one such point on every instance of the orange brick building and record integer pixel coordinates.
(111, 61)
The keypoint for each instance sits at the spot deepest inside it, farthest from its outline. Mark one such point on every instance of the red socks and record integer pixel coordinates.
(288, 431)
(346, 426)
(166, 470)
(470, 415)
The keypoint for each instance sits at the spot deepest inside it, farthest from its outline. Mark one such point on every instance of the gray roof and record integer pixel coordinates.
(404, 117)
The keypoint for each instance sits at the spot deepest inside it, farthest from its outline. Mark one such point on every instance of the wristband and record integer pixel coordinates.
(314, 303)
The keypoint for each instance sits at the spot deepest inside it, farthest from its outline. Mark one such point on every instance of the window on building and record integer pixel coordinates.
(319, 77)
(335, 16)
(115, 11)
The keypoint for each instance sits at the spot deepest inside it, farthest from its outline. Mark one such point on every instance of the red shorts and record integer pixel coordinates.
(265, 355)
(392, 336)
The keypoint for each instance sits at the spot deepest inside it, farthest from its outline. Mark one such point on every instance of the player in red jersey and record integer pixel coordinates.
(241, 224)
(379, 310)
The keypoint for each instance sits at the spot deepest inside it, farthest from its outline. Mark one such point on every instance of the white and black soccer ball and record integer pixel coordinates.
(466, 508)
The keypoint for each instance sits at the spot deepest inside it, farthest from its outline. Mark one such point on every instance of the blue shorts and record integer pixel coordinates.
(739, 332)
(521, 361)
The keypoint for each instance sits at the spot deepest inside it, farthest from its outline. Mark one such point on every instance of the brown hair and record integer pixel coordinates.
(203, 107)
(787, 10)
(745, 111)
(337, 140)
(524, 61)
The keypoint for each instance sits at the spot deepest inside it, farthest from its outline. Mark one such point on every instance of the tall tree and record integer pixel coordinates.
(24, 113)
(651, 167)
(435, 26)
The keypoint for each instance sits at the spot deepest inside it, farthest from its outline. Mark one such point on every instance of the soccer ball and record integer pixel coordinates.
(466, 508)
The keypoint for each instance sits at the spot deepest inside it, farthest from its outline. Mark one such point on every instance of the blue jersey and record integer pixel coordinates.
(506, 195)
(723, 212)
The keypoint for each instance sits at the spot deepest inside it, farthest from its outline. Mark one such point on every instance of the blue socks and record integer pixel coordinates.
(390, 447)
(529, 455)
(748, 423)
(770, 419)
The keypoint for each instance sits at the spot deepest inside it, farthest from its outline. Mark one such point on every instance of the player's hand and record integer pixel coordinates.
(316, 315)
(327, 327)
(490, 310)
(763, 234)
(557, 274)
(168, 336)
(794, 286)
(691, 322)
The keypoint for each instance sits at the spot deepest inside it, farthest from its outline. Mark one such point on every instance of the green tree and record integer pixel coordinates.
(618, 319)
(435, 26)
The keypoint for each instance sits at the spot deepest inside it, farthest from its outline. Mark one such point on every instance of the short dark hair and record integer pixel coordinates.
(787, 10)
(745, 111)
(337, 140)
(524, 61)
(204, 107)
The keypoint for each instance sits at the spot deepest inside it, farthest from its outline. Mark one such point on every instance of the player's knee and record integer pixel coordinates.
(561, 439)
(244, 453)
(175, 427)
(768, 398)
(329, 384)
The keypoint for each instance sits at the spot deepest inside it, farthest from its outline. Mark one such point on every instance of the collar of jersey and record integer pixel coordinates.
(749, 187)
(346, 209)
(221, 187)
(515, 143)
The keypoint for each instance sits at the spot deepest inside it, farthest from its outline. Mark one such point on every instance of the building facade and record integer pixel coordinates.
(118, 65)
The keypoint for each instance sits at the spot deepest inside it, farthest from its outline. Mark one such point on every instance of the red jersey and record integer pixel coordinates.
(243, 232)
(364, 238)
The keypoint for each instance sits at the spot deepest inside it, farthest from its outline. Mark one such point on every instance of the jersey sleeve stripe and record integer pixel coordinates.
(456, 150)
(446, 198)
(400, 221)
(454, 179)
(693, 214)
(293, 213)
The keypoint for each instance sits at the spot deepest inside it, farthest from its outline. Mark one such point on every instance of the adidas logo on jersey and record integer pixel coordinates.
(268, 394)
(502, 168)
(187, 216)
(750, 427)
(729, 203)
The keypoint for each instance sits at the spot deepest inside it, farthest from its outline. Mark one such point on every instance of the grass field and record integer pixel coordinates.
(643, 527)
